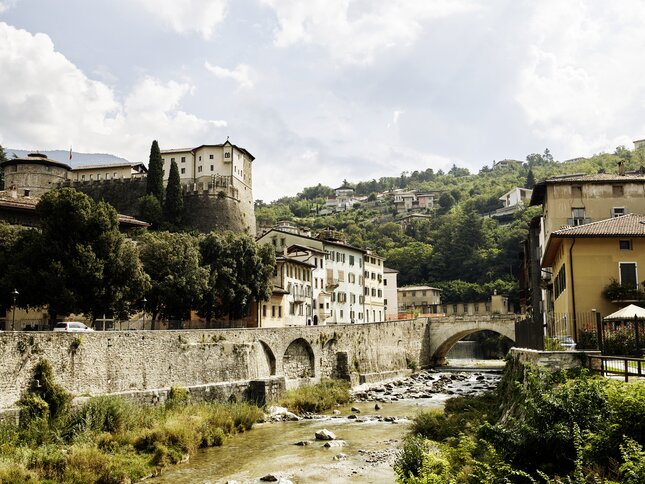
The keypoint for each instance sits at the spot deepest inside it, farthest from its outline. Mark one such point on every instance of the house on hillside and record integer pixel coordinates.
(513, 200)
(507, 163)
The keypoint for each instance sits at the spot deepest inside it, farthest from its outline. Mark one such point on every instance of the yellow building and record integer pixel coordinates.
(586, 258)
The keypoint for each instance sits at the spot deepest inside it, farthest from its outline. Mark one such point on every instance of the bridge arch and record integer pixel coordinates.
(444, 335)
(267, 358)
(298, 361)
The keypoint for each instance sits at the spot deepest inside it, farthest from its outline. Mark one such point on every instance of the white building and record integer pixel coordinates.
(390, 293)
(337, 276)
(373, 289)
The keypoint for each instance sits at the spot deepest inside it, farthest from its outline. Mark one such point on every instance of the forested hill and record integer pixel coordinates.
(458, 247)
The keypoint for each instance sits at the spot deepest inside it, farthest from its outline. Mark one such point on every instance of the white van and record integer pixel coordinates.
(71, 326)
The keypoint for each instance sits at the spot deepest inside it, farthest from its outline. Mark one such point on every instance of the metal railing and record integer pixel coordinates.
(617, 365)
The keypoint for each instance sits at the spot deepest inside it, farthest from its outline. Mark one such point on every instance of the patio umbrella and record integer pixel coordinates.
(628, 313)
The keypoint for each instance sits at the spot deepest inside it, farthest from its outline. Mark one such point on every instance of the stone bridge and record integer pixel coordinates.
(224, 363)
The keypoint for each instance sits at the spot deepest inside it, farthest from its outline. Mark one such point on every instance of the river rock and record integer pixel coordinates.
(340, 457)
(336, 412)
(334, 443)
(351, 417)
(377, 407)
(269, 478)
(302, 443)
(325, 434)
(291, 417)
(275, 410)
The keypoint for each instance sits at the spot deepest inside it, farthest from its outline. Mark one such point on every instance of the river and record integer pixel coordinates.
(372, 437)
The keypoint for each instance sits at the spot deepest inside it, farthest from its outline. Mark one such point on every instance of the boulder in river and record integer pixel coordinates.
(377, 407)
(334, 443)
(340, 457)
(356, 410)
(325, 434)
(269, 478)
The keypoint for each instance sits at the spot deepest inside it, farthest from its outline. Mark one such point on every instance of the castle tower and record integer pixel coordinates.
(34, 174)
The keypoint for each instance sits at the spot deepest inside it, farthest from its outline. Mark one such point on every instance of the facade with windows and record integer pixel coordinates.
(421, 299)
(586, 259)
(390, 293)
(373, 296)
(337, 275)
(292, 297)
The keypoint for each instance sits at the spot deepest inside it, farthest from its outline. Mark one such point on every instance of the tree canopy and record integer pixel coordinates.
(154, 179)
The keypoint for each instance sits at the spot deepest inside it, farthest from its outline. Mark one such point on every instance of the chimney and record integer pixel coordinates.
(621, 168)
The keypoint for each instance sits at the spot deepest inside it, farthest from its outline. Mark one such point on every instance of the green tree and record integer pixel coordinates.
(446, 201)
(412, 261)
(150, 210)
(530, 180)
(240, 272)
(78, 262)
(155, 172)
(173, 205)
(172, 261)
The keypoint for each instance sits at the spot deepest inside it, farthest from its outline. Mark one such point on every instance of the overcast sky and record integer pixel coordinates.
(324, 90)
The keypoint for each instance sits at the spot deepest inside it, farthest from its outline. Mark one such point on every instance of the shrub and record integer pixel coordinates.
(633, 468)
(102, 414)
(619, 342)
(317, 398)
(409, 460)
(177, 396)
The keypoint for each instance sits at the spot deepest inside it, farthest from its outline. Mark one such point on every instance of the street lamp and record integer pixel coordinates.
(14, 293)
(144, 300)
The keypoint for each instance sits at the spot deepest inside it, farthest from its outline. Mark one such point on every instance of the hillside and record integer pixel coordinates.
(457, 245)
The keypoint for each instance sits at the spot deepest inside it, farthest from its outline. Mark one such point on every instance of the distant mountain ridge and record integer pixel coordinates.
(78, 159)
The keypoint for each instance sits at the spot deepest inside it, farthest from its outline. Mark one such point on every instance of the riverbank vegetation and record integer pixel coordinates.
(536, 428)
(108, 439)
(317, 398)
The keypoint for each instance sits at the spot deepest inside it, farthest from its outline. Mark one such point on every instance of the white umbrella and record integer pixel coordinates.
(628, 313)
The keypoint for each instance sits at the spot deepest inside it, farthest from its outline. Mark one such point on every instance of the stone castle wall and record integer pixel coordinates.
(145, 364)
(204, 210)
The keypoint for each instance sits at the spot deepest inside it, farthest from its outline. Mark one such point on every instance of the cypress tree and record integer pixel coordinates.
(530, 180)
(155, 172)
(173, 208)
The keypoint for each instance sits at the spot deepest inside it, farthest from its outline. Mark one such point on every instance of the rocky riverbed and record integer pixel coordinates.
(360, 440)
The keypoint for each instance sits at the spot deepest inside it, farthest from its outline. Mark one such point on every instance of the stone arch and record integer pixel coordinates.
(443, 347)
(267, 359)
(298, 360)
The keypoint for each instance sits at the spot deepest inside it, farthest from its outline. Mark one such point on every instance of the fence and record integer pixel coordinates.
(614, 365)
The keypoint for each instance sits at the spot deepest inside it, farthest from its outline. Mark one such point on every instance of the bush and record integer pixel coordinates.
(317, 398)
(409, 460)
(633, 468)
(101, 414)
(620, 342)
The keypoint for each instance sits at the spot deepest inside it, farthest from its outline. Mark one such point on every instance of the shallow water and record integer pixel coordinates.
(269, 448)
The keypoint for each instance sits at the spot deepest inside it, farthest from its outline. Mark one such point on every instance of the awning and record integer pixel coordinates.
(628, 313)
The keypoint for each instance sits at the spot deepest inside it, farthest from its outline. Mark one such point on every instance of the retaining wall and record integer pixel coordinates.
(217, 363)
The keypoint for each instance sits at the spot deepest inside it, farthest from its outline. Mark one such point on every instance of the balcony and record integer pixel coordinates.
(299, 296)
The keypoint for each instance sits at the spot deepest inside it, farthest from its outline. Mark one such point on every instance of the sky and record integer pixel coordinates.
(324, 90)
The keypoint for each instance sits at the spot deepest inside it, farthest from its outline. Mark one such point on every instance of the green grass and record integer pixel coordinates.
(317, 398)
(110, 440)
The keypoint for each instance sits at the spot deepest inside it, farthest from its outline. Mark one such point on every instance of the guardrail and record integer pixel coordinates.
(617, 365)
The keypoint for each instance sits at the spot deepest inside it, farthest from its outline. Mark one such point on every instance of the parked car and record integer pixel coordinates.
(566, 342)
(71, 326)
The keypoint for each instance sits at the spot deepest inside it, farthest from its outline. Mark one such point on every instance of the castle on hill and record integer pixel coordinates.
(217, 182)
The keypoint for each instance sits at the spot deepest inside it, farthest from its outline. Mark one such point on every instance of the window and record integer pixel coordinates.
(351, 260)
(264, 310)
(210, 157)
(617, 190)
(628, 277)
(98, 176)
(618, 211)
(577, 216)
(199, 169)
(171, 160)
(227, 155)
(183, 159)
(560, 282)
(212, 168)
(625, 244)
(273, 311)
(200, 157)
(183, 171)
(279, 311)
(385, 282)
(82, 177)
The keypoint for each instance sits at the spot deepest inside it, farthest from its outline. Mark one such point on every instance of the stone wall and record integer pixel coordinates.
(145, 364)
(204, 211)
(552, 360)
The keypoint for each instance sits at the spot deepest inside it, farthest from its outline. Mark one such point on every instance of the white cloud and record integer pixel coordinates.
(356, 31)
(242, 74)
(201, 16)
(47, 102)
(7, 4)
(580, 86)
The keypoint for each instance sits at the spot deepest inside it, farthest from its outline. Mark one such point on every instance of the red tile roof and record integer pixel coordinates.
(630, 225)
